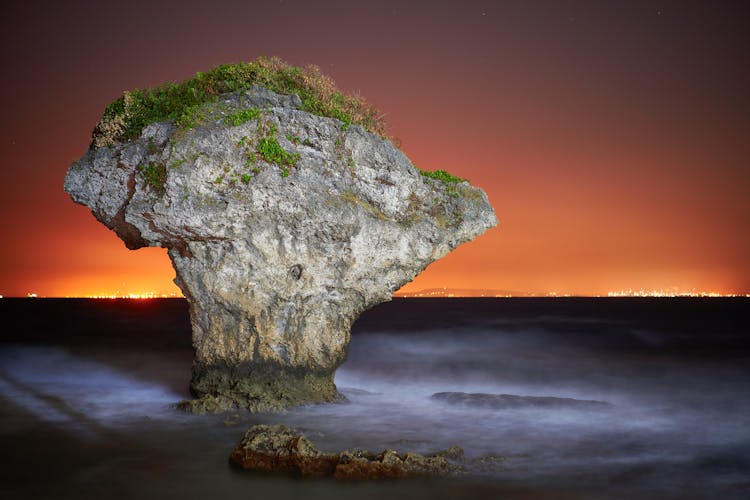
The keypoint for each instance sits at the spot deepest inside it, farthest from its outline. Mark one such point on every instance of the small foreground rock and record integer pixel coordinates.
(281, 449)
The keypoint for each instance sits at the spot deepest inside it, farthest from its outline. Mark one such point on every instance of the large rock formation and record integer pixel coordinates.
(282, 225)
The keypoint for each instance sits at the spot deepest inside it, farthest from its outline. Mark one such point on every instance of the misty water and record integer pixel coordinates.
(88, 391)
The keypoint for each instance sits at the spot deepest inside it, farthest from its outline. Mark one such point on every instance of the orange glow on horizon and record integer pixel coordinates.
(613, 149)
(152, 277)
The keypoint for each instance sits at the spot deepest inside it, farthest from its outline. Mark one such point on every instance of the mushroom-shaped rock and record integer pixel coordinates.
(283, 226)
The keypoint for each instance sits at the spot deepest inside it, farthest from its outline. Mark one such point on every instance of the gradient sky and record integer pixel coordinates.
(612, 138)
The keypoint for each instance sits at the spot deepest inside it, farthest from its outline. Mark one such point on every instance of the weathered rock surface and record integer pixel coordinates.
(512, 401)
(281, 449)
(276, 260)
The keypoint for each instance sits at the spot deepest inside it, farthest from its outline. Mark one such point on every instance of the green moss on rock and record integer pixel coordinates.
(442, 176)
(450, 182)
(242, 116)
(181, 102)
(155, 175)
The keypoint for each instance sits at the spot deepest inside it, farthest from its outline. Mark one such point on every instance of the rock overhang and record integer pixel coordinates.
(277, 258)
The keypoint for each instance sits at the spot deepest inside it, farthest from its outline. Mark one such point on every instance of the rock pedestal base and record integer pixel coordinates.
(257, 388)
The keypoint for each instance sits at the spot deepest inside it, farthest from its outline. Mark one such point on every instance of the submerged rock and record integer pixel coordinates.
(283, 226)
(282, 449)
(511, 401)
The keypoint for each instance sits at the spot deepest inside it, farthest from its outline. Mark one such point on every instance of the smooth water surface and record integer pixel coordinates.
(87, 391)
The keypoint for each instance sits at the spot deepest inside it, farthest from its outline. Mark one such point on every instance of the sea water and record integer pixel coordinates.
(87, 393)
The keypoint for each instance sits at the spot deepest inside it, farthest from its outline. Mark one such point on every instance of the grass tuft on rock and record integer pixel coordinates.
(155, 175)
(125, 118)
(271, 151)
(450, 181)
(242, 116)
(442, 176)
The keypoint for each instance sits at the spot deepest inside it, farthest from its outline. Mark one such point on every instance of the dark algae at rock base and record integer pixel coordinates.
(286, 212)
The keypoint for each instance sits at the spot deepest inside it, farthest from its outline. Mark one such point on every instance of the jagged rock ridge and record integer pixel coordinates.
(282, 226)
(279, 448)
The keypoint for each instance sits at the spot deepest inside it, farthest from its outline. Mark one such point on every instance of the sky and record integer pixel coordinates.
(612, 138)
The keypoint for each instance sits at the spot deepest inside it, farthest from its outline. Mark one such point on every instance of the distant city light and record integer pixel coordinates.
(668, 293)
(136, 296)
